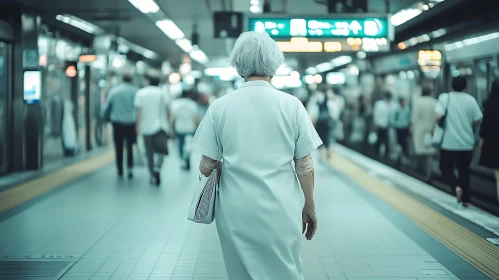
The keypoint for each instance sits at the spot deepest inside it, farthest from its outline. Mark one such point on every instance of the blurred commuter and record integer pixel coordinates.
(462, 116)
(361, 123)
(152, 116)
(422, 124)
(489, 133)
(400, 120)
(259, 131)
(203, 103)
(381, 118)
(120, 111)
(323, 112)
(185, 118)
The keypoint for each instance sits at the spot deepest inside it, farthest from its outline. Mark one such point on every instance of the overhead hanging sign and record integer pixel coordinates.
(323, 27)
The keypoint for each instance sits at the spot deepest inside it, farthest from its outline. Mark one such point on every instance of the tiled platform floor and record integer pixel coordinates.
(131, 230)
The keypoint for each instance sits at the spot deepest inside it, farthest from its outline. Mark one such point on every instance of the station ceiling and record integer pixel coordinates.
(121, 18)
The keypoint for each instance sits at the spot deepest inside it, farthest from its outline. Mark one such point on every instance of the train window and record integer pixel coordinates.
(493, 72)
(481, 84)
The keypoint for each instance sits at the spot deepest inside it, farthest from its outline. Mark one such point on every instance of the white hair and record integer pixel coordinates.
(256, 54)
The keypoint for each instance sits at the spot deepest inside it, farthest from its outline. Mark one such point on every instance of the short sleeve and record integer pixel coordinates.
(136, 100)
(206, 140)
(477, 112)
(307, 139)
(441, 103)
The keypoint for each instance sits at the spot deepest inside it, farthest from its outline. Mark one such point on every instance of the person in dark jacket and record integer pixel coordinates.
(489, 133)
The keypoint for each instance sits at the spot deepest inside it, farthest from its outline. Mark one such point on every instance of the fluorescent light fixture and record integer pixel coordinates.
(255, 2)
(255, 9)
(342, 60)
(184, 44)
(199, 56)
(309, 79)
(311, 71)
(79, 23)
(138, 49)
(323, 67)
(170, 29)
(145, 6)
(335, 78)
(404, 16)
(471, 41)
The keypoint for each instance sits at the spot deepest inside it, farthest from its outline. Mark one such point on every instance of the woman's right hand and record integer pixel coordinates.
(309, 220)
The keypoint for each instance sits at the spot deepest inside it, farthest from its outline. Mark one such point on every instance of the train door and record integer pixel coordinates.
(4, 90)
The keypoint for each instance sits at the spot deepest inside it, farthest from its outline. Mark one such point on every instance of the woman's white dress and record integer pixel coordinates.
(423, 122)
(258, 130)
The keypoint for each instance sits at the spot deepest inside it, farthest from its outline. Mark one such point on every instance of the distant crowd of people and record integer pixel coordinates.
(448, 125)
(152, 114)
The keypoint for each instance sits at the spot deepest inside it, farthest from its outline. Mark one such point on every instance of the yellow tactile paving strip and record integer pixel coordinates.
(17, 195)
(471, 247)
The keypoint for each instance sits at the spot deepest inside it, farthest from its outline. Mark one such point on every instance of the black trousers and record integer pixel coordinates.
(124, 133)
(402, 134)
(383, 139)
(462, 161)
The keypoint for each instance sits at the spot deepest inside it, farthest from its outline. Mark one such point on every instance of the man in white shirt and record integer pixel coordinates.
(185, 119)
(381, 118)
(152, 116)
(462, 118)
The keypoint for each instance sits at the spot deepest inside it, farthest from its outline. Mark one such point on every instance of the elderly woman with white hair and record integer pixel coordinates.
(260, 133)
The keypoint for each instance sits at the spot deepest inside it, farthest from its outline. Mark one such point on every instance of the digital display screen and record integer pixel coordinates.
(32, 87)
(322, 27)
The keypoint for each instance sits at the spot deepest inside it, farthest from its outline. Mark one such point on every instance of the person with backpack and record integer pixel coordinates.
(322, 112)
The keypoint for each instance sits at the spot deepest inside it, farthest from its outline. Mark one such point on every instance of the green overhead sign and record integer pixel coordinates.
(322, 27)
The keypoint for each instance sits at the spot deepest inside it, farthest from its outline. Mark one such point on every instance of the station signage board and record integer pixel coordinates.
(322, 28)
(304, 45)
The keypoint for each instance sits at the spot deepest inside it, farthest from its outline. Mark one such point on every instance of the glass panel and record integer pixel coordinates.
(481, 81)
(493, 72)
(3, 96)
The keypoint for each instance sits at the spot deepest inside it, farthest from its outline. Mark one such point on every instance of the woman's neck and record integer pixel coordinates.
(257, 78)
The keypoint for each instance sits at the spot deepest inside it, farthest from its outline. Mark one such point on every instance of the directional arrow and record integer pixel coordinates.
(355, 27)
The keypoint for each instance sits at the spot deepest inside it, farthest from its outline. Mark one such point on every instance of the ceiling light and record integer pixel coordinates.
(170, 29)
(471, 41)
(317, 78)
(174, 78)
(404, 16)
(342, 60)
(145, 6)
(255, 9)
(185, 45)
(255, 2)
(79, 23)
(309, 79)
(199, 56)
(323, 67)
(311, 71)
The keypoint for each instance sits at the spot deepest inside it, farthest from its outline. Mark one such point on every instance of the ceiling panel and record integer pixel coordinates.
(121, 18)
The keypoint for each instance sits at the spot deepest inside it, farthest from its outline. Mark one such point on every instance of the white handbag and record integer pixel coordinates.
(202, 208)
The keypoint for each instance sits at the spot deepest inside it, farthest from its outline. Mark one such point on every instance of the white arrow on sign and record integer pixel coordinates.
(355, 27)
